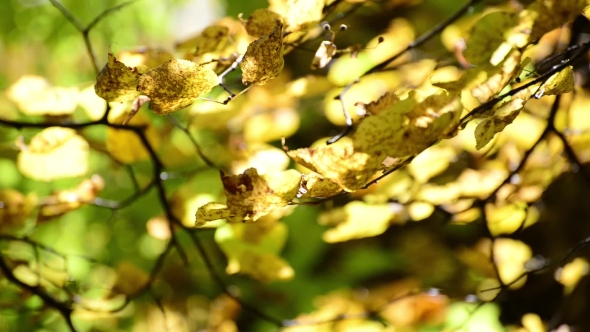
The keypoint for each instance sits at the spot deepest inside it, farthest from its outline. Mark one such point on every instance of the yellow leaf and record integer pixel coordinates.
(431, 162)
(561, 82)
(496, 78)
(214, 38)
(408, 127)
(15, 208)
(251, 196)
(314, 185)
(117, 82)
(571, 273)
(299, 15)
(323, 55)
(420, 210)
(253, 249)
(532, 323)
(65, 201)
(502, 117)
(144, 56)
(54, 153)
(505, 219)
(356, 220)
(265, 158)
(339, 163)
(210, 212)
(125, 145)
(489, 35)
(34, 95)
(551, 14)
(510, 257)
(263, 60)
(261, 22)
(92, 104)
(176, 84)
(270, 126)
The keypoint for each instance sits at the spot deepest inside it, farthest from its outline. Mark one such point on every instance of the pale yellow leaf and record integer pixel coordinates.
(356, 220)
(34, 95)
(54, 153)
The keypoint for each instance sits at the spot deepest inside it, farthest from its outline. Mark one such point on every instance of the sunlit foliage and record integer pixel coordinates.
(309, 165)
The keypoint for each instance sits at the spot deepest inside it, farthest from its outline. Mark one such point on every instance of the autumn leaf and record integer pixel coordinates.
(263, 59)
(125, 145)
(117, 82)
(15, 208)
(144, 56)
(212, 39)
(261, 22)
(251, 196)
(510, 256)
(551, 14)
(407, 127)
(339, 163)
(502, 116)
(176, 84)
(356, 220)
(65, 201)
(253, 249)
(34, 95)
(560, 83)
(315, 185)
(299, 15)
(54, 153)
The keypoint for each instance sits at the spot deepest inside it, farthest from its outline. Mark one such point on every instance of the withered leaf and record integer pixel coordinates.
(176, 84)
(117, 82)
(263, 59)
(251, 196)
(323, 55)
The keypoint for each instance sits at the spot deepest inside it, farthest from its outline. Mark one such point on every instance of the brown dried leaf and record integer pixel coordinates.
(251, 196)
(263, 59)
(117, 82)
(176, 84)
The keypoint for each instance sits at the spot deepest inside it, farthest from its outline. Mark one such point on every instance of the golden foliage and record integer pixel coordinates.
(176, 84)
(263, 60)
(54, 153)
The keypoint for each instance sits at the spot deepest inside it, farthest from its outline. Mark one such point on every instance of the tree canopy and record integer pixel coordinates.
(297, 165)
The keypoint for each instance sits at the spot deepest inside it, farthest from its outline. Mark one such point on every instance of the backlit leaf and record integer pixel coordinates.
(339, 163)
(54, 153)
(212, 39)
(34, 95)
(130, 279)
(551, 14)
(510, 256)
(314, 185)
(263, 60)
(408, 126)
(356, 220)
(503, 116)
(251, 196)
(261, 22)
(125, 145)
(560, 83)
(176, 84)
(253, 249)
(117, 82)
